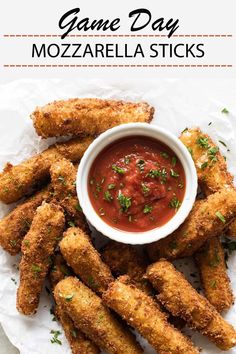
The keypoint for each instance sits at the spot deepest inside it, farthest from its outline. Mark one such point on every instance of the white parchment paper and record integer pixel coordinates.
(178, 104)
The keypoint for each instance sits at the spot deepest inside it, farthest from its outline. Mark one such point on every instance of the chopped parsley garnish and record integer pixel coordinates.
(98, 188)
(213, 284)
(225, 111)
(117, 169)
(175, 203)
(125, 202)
(220, 141)
(111, 186)
(71, 224)
(203, 142)
(147, 209)
(62, 179)
(204, 165)
(185, 130)
(69, 297)
(36, 269)
(74, 332)
(164, 154)
(190, 150)
(108, 197)
(221, 217)
(174, 174)
(92, 283)
(209, 124)
(78, 207)
(14, 281)
(154, 173)
(174, 161)
(141, 165)
(26, 242)
(215, 260)
(145, 188)
(212, 153)
(173, 245)
(55, 339)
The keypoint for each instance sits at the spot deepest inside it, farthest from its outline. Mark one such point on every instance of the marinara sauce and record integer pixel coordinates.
(136, 184)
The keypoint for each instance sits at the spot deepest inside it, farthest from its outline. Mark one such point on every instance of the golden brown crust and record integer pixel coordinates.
(181, 299)
(59, 270)
(210, 164)
(90, 116)
(63, 178)
(15, 225)
(85, 260)
(79, 344)
(91, 316)
(142, 313)
(125, 259)
(203, 223)
(37, 248)
(210, 260)
(17, 181)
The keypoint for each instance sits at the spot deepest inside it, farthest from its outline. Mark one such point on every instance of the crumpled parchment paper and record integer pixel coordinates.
(178, 104)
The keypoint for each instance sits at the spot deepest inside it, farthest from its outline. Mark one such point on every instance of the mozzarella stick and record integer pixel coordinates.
(90, 315)
(208, 219)
(87, 116)
(141, 312)
(17, 181)
(79, 344)
(63, 178)
(37, 248)
(210, 260)
(15, 225)
(181, 299)
(210, 164)
(84, 259)
(125, 259)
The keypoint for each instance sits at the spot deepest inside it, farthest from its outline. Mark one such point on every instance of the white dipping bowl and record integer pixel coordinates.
(129, 130)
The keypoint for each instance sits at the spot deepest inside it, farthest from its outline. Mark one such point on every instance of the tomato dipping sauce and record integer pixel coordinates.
(136, 184)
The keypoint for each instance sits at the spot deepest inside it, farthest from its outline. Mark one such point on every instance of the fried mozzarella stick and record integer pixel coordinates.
(16, 181)
(85, 260)
(181, 299)
(15, 225)
(37, 248)
(90, 116)
(210, 260)
(207, 220)
(78, 342)
(210, 164)
(124, 259)
(63, 177)
(141, 312)
(92, 317)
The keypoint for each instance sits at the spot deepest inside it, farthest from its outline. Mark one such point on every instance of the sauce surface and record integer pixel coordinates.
(136, 184)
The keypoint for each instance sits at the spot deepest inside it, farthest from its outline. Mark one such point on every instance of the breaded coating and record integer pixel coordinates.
(17, 181)
(231, 232)
(210, 260)
(84, 259)
(125, 259)
(210, 164)
(93, 318)
(79, 344)
(15, 225)
(59, 270)
(207, 219)
(181, 299)
(63, 178)
(37, 248)
(141, 312)
(90, 116)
